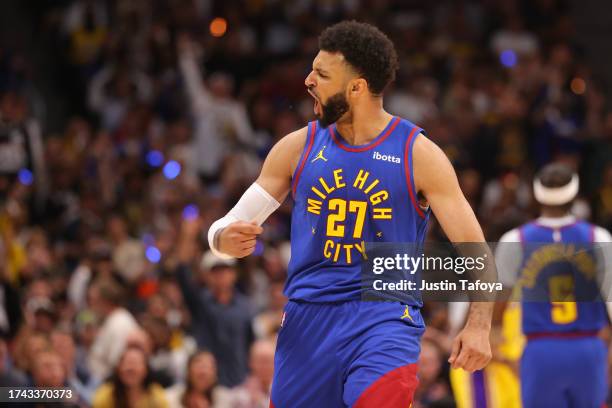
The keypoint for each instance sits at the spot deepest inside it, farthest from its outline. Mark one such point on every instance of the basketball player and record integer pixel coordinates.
(358, 174)
(564, 362)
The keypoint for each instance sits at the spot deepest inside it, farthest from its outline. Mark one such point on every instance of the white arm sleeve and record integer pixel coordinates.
(255, 205)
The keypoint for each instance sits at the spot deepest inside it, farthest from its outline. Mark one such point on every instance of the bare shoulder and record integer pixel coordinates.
(294, 142)
(275, 176)
(424, 148)
(287, 151)
(430, 165)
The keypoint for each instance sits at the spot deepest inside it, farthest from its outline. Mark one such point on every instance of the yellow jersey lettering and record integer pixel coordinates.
(382, 213)
(551, 253)
(336, 217)
(360, 246)
(338, 178)
(379, 197)
(337, 253)
(329, 244)
(337, 222)
(317, 192)
(314, 206)
(333, 250)
(347, 248)
(361, 178)
(371, 186)
(325, 186)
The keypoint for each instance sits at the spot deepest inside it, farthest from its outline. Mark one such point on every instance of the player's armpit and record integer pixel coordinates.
(275, 176)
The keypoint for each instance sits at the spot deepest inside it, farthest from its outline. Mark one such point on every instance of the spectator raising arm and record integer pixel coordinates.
(186, 251)
(200, 99)
(221, 317)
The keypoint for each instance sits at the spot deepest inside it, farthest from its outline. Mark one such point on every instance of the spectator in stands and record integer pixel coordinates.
(433, 389)
(8, 376)
(28, 343)
(48, 369)
(42, 314)
(500, 86)
(114, 90)
(254, 392)
(21, 146)
(222, 321)
(77, 378)
(131, 385)
(514, 37)
(163, 360)
(128, 253)
(267, 323)
(105, 299)
(200, 389)
(220, 122)
(85, 330)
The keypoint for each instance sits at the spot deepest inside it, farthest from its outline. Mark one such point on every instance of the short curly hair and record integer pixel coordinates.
(367, 49)
(555, 175)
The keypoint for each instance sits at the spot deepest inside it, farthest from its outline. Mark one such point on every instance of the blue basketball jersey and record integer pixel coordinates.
(558, 263)
(344, 197)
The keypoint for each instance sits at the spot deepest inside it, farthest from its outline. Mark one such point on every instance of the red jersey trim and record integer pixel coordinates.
(395, 389)
(310, 142)
(356, 149)
(562, 335)
(407, 164)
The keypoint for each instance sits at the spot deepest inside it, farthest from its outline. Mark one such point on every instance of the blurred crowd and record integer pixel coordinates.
(107, 285)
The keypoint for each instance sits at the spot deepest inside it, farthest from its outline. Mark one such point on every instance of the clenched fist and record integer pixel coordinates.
(238, 238)
(471, 349)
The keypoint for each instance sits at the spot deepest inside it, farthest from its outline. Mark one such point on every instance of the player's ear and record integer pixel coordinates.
(357, 87)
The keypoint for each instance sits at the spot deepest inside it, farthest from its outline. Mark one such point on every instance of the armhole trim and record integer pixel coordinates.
(408, 170)
(312, 127)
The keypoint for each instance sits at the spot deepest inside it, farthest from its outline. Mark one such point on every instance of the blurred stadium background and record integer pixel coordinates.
(128, 126)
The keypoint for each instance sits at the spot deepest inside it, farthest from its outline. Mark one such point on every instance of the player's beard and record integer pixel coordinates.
(332, 111)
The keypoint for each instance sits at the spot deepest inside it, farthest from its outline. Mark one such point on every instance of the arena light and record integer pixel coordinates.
(155, 158)
(578, 86)
(259, 248)
(508, 58)
(172, 169)
(25, 177)
(153, 254)
(190, 212)
(218, 27)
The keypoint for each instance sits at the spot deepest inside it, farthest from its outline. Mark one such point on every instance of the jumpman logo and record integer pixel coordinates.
(319, 155)
(407, 314)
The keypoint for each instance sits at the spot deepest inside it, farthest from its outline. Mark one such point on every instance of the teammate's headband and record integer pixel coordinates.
(556, 195)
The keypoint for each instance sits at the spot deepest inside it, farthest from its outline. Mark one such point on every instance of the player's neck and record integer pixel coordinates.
(553, 212)
(364, 124)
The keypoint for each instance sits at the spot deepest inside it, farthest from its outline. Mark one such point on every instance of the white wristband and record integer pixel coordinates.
(255, 205)
(212, 231)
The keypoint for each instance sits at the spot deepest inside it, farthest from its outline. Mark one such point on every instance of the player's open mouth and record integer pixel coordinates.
(317, 105)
